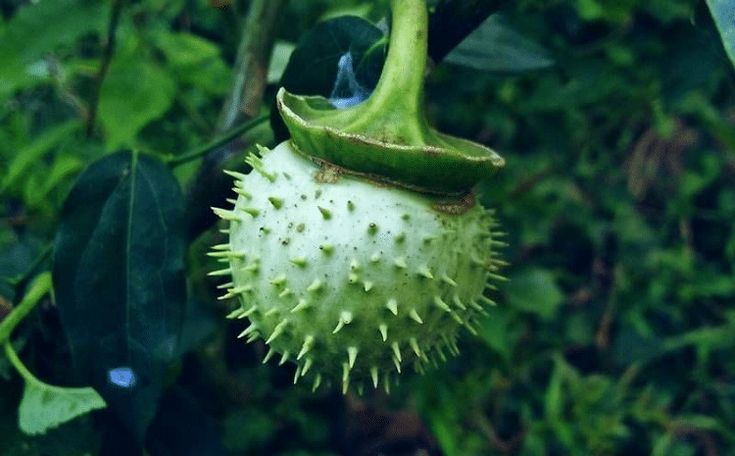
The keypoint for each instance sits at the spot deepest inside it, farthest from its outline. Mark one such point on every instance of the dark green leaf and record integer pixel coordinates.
(496, 47)
(312, 68)
(118, 276)
(451, 21)
(314, 65)
(723, 11)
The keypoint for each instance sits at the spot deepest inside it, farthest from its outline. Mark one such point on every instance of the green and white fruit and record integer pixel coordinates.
(352, 280)
(349, 267)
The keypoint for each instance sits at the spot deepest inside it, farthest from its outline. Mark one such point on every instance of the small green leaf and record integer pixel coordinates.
(553, 399)
(723, 12)
(501, 333)
(45, 406)
(34, 151)
(185, 49)
(194, 61)
(534, 291)
(135, 93)
(282, 51)
(496, 47)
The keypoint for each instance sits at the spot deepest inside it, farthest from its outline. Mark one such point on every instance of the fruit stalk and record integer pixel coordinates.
(388, 138)
(399, 94)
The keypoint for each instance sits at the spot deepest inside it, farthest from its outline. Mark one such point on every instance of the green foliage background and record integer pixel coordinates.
(616, 333)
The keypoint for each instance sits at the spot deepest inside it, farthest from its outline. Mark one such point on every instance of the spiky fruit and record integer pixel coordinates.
(352, 280)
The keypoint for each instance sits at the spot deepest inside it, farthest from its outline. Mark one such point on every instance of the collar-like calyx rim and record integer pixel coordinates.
(387, 137)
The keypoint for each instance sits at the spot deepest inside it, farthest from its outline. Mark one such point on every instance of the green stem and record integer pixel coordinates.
(201, 151)
(18, 364)
(402, 82)
(37, 290)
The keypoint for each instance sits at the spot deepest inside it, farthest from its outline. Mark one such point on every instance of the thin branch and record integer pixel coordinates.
(107, 54)
(40, 287)
(18, 364)
(251, 66)
(216, 143)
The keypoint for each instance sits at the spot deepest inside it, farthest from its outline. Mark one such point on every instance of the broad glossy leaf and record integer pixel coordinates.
(723, 11)
(119, 280)
(134, 93)
(451, 21)
(39, 28)
(346, 47)
(496, 47)
(46, 406)
(313, 66)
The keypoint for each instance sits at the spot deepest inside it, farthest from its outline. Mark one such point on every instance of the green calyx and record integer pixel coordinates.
(388, 137)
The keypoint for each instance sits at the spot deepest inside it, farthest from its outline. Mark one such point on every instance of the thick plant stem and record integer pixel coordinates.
(38, 289)
(403, 75)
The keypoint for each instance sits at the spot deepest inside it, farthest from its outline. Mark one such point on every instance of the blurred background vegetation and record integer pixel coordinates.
(616, 334)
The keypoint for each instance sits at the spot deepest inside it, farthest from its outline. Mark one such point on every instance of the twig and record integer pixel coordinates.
(216, 143)
(107, 53)
(251, 66)
(66, 93)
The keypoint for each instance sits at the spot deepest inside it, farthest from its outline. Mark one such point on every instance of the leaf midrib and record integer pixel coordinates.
(129, 240)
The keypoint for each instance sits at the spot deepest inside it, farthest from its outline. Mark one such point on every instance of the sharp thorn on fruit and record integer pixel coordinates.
(415, 316)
